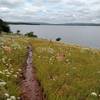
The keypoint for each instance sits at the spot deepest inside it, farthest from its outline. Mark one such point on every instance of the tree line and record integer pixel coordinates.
(4, 26)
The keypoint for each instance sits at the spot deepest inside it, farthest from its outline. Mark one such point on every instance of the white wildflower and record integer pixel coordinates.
(39, 56)
(15, 76)
(94, 94)
(3, 60)
(1, 72)
(11, 71)
(67, 74)
(9, 99)
(74, 67)
(7, 64)
(50, 59)
(3, 83)
(19, 70)
(98, 72)
(6, 95)
(53, 79)
(6, 70)
(7, 75)
(12, 97)
(18, 98)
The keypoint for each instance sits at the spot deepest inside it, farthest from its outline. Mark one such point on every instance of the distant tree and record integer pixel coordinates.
(18, 32)
(31, 34)
(4, 26)
(58, 39)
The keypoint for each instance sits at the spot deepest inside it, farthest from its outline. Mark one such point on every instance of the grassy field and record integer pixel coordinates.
(12, 57)
(66, 72)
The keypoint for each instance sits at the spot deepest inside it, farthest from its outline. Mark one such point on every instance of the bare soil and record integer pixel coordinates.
(30, 87)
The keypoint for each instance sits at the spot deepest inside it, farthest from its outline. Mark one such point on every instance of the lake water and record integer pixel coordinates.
(88, 36)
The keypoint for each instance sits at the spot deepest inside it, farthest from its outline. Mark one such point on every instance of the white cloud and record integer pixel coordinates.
(58, 11)
(4, 9)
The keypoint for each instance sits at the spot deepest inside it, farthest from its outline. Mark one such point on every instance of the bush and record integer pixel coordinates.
(31, 34)
(4, 26)
(58, 39)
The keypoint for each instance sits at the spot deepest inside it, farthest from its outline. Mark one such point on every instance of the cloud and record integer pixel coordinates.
(4, 9)
(11, 3)
(57, 11)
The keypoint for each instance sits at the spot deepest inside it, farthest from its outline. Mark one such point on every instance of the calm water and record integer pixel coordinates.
(88, 36)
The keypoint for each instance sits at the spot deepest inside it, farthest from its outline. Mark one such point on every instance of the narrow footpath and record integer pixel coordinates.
(30, 88)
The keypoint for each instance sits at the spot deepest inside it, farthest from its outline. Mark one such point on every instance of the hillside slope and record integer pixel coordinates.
(66, 72)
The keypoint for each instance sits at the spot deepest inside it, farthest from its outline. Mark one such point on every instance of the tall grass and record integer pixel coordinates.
(12, 57)
(67, 72)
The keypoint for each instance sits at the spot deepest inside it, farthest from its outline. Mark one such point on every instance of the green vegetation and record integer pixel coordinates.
(66, 72)
(12, 57)
(4, 26)
(31, 34)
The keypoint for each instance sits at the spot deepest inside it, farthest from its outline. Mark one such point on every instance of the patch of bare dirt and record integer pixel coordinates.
(30, 87)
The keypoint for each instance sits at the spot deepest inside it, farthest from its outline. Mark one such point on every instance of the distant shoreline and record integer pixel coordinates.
(66, 24)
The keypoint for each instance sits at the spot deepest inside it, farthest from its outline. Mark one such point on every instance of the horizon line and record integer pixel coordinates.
(46, 23)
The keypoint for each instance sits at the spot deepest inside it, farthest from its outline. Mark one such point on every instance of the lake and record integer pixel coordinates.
(88, 36)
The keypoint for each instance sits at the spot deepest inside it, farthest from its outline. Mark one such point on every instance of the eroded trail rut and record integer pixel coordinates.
(30, 88)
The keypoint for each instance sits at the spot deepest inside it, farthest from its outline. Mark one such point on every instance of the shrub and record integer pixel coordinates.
(4, 26)
(58, 39)
(31, 34)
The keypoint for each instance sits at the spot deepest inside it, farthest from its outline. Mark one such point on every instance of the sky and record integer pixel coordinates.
(51, 11)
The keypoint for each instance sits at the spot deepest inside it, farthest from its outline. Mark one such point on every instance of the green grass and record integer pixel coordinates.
(11, 63)
(66, 72)
(75, 77)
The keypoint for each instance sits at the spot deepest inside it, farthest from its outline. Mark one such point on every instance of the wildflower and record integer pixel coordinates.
(12, 97)
(6, 70)
(1, 72)
(19, 70)
(94, 94)
(53, 79)
(3, 60)
(67, 74)
(15, 76)
(74, 67)
(98, 72)
(50, 59)
(7, 75)
(8, 99)
(7, 64)
(18, 98)
(11, 71)
(3, 83)
(6, 95)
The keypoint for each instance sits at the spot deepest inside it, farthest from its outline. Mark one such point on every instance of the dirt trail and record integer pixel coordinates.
(30, 87)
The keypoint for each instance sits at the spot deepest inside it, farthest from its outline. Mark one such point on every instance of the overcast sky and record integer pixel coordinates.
(54, 11)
